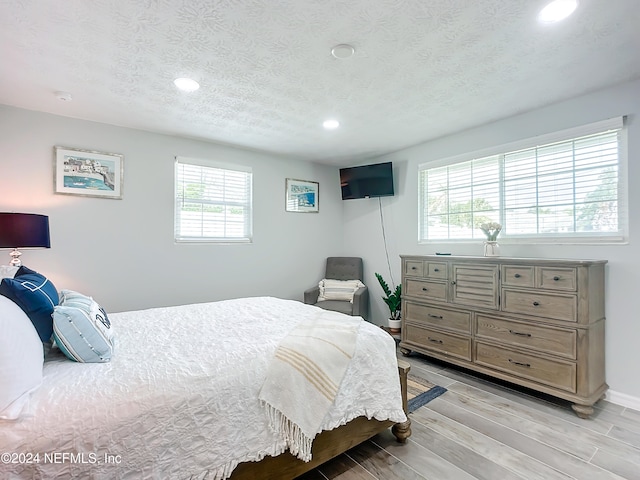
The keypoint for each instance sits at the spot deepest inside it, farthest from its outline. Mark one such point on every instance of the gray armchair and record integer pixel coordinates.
(342, 268)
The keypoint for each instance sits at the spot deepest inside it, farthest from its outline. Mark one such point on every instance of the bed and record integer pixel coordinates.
(180, 399)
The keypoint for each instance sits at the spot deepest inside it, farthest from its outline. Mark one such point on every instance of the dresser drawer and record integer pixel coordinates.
(518, 276)
(557, 278)
(426, 289)
(559, 307)
(555, 373)
(557, 341)
(438, 341)
(436, 270)
(440, 317)
(414, 268)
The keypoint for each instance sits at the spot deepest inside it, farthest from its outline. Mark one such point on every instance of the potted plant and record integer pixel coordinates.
(393, 301)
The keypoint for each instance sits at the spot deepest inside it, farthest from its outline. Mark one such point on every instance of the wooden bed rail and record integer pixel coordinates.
(328, 444)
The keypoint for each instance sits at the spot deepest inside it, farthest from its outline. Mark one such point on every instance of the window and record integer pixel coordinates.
(567, 188)
(213, 202)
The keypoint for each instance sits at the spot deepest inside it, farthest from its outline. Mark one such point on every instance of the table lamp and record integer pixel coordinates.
(23, 230)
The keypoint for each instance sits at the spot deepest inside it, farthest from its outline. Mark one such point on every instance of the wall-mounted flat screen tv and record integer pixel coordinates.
(367, 181)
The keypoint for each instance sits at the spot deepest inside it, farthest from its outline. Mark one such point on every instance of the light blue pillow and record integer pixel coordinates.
(81, 328)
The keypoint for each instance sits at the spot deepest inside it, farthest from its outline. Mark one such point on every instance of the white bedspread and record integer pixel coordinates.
(180, 397)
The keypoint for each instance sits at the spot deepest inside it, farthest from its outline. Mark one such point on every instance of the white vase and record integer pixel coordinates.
(491, 249)
(394, 325)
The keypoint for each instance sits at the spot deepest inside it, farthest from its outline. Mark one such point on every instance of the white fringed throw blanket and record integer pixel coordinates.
(304, 377)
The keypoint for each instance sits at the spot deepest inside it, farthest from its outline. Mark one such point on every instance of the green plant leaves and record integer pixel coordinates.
(392, 299)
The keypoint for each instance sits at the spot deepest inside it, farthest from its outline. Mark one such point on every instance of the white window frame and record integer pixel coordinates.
(241, 197)
(621, 236)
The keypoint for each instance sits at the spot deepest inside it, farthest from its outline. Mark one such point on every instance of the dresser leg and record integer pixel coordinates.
(405, 351)
(583, 411)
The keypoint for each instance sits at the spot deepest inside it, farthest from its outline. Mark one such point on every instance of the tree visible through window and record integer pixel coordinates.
(213, 202)
(569, 188)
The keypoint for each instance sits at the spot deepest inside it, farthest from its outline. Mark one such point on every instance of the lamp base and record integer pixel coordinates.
(15, 258)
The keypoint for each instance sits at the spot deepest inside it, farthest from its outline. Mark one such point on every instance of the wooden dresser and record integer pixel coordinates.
(538, 323)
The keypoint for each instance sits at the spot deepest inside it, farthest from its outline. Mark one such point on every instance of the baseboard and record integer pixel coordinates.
(623, 399)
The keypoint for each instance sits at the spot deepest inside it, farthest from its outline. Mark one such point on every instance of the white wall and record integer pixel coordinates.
(362, 230)
(122, 252)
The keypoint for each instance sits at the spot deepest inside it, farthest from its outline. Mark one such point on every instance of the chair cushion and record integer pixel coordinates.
(342, 290)
(82, 329)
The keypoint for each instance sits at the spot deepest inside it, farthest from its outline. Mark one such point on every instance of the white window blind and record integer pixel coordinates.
(569, 189)
(213, 202)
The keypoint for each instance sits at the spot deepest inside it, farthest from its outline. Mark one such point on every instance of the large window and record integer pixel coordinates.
(213, 202)
(567, 189)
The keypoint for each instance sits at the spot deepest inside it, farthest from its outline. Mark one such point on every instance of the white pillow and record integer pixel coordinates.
(21, 359)
(338, 289)
(8, 271)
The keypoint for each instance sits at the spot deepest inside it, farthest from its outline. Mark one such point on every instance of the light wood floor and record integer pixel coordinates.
(484, 429)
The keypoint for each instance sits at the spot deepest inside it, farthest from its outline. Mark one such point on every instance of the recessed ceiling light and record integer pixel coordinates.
(331, 124)
(557, 10)
(342, 51)
(186, 84)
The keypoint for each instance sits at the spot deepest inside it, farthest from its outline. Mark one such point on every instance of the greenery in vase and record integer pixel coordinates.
(491, 230)
(392, 299)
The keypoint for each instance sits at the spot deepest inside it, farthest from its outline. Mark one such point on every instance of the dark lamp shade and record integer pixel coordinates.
(19, 230)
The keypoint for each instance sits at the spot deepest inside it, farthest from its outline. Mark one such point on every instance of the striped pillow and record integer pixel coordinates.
(82, 329)
(338, 289)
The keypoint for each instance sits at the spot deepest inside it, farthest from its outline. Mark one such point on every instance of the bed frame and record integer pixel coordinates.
(328, 444)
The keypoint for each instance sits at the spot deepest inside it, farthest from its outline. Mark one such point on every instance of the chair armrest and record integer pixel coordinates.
(361, 302)
(311, 295)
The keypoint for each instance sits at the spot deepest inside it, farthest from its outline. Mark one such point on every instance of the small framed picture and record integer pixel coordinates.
(88, 173)
(301, 196)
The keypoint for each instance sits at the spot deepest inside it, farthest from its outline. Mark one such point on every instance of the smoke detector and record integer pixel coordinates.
(64, 96)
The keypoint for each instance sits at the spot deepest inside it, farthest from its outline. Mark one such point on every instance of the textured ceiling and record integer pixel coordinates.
(422, 68)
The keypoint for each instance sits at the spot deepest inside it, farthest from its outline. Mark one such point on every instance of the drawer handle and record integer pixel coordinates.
(431, 315)
(425, 289)
(436, 269)
(520, 364)
(434, 340)
(453, 282)
(414, 268)
(517, 275)
(519, 334)
(536, 304)
(555, 279)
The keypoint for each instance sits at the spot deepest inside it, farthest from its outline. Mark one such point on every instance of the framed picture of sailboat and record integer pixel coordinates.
(88, 173)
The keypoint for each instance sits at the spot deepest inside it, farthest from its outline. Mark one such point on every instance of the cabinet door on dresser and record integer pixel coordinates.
(475, 285)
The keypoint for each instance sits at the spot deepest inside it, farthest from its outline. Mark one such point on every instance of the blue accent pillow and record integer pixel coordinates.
(35, 295)
(81, 328)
